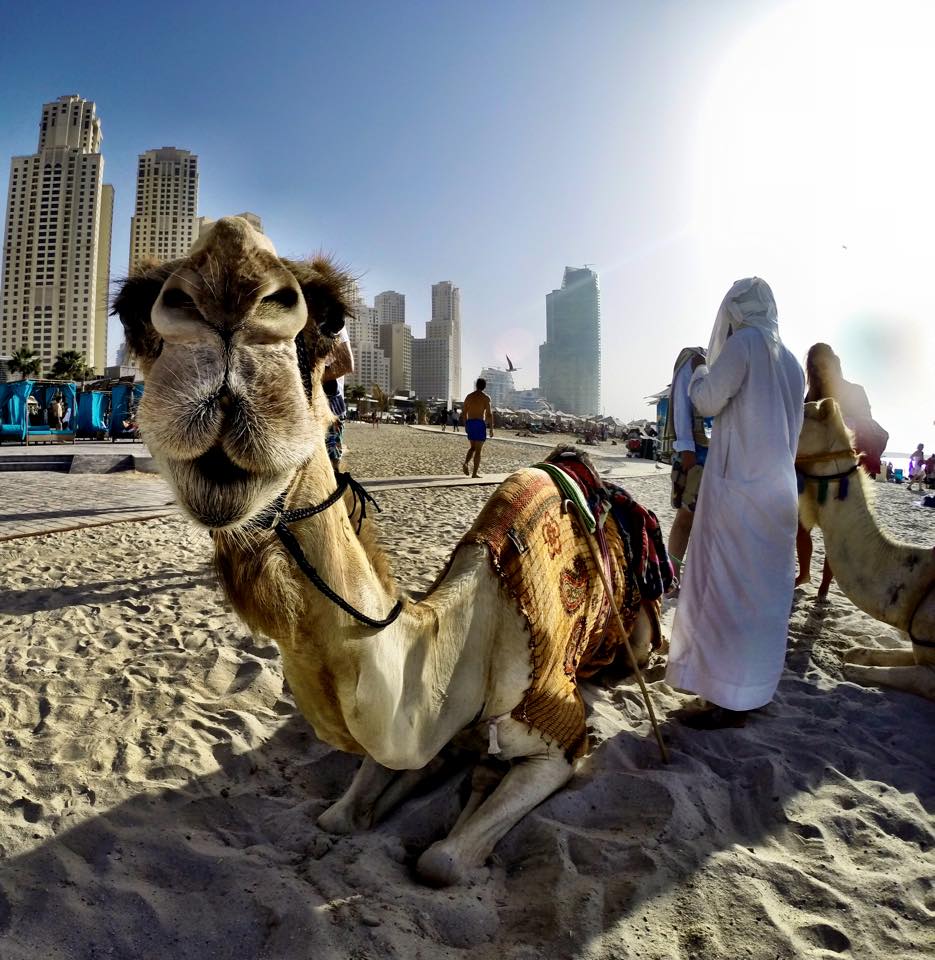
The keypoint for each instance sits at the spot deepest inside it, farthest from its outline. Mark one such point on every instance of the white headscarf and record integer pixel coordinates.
(749, 303)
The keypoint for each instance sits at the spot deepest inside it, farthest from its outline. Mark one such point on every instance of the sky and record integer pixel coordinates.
(673, 145)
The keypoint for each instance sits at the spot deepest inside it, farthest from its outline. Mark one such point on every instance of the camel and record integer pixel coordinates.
(232, 340)
(893, 582)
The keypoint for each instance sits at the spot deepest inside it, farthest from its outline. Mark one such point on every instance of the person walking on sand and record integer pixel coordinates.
(729, 637)
(917, 467)
(477, 416)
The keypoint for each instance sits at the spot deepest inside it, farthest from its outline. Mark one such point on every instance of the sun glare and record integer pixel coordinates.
(817, 154)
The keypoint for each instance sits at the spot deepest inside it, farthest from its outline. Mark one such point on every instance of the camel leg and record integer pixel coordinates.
(918, 678)
(483, 780)
(374, 792)
(531, 779)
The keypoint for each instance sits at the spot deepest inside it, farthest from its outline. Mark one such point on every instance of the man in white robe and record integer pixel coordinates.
(729, 638)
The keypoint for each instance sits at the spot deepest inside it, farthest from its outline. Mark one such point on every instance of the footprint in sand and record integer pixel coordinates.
(247, 672)
(825, 937)
(32, 811)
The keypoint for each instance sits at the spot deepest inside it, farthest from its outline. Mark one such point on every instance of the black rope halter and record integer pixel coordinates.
(278, 519)
(843, 478)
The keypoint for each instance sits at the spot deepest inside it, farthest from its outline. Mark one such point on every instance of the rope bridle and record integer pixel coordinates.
(824, 479)
(278, 519)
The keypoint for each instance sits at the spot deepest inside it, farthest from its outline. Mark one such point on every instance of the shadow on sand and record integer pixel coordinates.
(232, 865)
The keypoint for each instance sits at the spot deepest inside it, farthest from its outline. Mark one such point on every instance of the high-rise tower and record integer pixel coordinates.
(165, 220)
(56, 247)
(390, 307)
(436, 361)
(570, 359)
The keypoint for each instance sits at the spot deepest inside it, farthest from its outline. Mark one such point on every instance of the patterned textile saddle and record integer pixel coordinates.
(537, 549)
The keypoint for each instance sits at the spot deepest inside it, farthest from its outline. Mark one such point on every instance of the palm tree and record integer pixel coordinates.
(357, 393)
(70, 365)
(26, 363)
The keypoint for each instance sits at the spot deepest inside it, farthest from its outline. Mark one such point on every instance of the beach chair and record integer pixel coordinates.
(91, 423)
(43, 433)
(13, 410)
(124, 402)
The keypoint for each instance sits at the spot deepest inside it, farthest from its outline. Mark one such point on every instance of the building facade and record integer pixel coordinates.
(390, 307)
(431, 365)
(56, 246)
(396, 344)
(500, 387)
(371, 365)
(570, 359)
(446, 325)
(165, 221)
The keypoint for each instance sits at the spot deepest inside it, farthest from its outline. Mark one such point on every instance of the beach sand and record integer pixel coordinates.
(158, 791)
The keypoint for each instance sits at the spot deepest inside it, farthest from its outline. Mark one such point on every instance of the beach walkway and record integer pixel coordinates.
(39, 501)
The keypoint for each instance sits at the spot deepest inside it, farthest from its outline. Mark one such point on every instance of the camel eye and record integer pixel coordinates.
(176, 299)
(286, 297)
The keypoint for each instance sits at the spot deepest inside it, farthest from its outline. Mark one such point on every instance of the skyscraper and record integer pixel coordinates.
(500, 387)
(165, 221)
(431, 365)
(436, 360)
(570, 359)
(396, 344)
(371, 366)
(56, 249)
(390, 307)
(446, 324)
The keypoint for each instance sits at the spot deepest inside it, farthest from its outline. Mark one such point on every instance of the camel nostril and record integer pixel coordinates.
(224, 399)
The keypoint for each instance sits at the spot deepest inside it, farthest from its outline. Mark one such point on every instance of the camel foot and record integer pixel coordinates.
(439, 867)
(916, 679)
(338, 818)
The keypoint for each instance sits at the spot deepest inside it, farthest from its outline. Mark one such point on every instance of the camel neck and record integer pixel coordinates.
(324, 515)
(271, 591)
(878, 574)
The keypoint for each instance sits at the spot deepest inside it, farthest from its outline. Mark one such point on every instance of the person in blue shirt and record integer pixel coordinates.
(689, 433)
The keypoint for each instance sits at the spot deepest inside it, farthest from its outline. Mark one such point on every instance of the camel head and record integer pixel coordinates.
(824, 432)
(219, 337)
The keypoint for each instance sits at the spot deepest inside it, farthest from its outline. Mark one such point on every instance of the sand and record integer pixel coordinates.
(158, 791)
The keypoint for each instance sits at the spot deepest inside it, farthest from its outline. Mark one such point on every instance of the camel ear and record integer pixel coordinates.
(327, 292)
(134, 304)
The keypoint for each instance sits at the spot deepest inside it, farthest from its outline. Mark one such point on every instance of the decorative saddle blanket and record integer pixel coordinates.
(538, 551)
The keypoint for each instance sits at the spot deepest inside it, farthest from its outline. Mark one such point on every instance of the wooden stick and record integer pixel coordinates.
(599, 563)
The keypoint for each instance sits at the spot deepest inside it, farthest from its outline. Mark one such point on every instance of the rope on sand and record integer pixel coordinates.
(599, 563)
